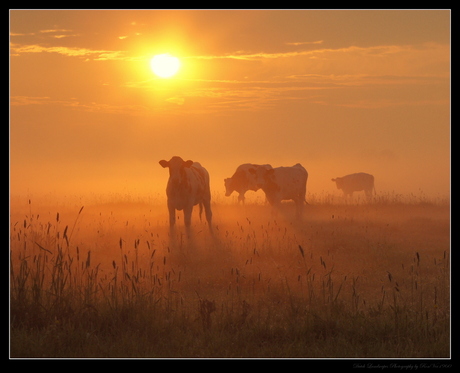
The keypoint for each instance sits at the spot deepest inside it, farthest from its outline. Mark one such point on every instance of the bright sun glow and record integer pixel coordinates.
(165, 65)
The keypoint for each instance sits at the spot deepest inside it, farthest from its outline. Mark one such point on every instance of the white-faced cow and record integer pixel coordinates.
(356, 183)
(188, 185)
(243, 180)
(284, 183)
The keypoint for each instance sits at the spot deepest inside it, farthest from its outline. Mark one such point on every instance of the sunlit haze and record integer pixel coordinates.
(339, 91)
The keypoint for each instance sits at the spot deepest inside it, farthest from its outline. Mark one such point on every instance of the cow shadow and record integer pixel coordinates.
(189, 237)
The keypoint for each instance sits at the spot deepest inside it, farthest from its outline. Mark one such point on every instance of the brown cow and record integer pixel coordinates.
(356, 183)
(243, 180)
(188, 185)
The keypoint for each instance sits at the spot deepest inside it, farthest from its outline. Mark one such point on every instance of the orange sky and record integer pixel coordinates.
(337, 91)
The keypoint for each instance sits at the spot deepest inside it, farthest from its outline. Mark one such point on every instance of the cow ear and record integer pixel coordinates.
(333, 179)
(188, 163)
(164, 163)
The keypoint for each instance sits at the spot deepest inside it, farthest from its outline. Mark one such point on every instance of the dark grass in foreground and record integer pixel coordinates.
(354, 281)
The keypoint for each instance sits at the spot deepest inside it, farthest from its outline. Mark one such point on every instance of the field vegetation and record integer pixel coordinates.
(351, 280)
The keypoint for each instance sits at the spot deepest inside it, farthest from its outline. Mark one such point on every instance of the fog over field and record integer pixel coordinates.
(349, 280)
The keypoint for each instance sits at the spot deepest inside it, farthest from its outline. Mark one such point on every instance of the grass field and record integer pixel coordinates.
(352, 280)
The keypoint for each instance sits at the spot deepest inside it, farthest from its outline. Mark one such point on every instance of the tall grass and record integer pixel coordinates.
(261, 287)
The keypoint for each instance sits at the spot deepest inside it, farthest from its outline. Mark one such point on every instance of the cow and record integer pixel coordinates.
(243, 180)
(284, 183)
(355, 183)
(188, 185)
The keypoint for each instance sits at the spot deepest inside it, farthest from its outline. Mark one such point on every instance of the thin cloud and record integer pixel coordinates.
(98, 55)
(366, 79)
(22, 34)
(28, 100)
(264, 55)
(59, 33)
(176, 100)
(386, 103)
(373, 51)
(76, 104)
(306, 42)
(54, 31)
(251, 56)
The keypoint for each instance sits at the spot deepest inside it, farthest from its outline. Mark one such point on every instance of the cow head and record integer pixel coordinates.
(338, 182)
(176, 167)
(228, 186)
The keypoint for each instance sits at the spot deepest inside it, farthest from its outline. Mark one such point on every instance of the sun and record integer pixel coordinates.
(165, 65)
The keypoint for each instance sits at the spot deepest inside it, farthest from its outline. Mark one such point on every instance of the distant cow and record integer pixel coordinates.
(188, 185)
(284, 183)
(243, 180)
(356, 183)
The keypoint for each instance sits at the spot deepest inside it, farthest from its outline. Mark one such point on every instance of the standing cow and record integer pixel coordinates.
(243, 179)
(188, 185)
(356, 183)
(284, 183)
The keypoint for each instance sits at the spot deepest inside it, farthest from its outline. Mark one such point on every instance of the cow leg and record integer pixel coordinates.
(188, 216)
(368, 193)
(348, 195)
(172, 215)
(302, 201)
(208, 212)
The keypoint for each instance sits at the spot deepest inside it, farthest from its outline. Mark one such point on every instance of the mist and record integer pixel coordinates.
(66, 152)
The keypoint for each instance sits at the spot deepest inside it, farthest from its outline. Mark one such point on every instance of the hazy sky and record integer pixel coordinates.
(337, 91)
